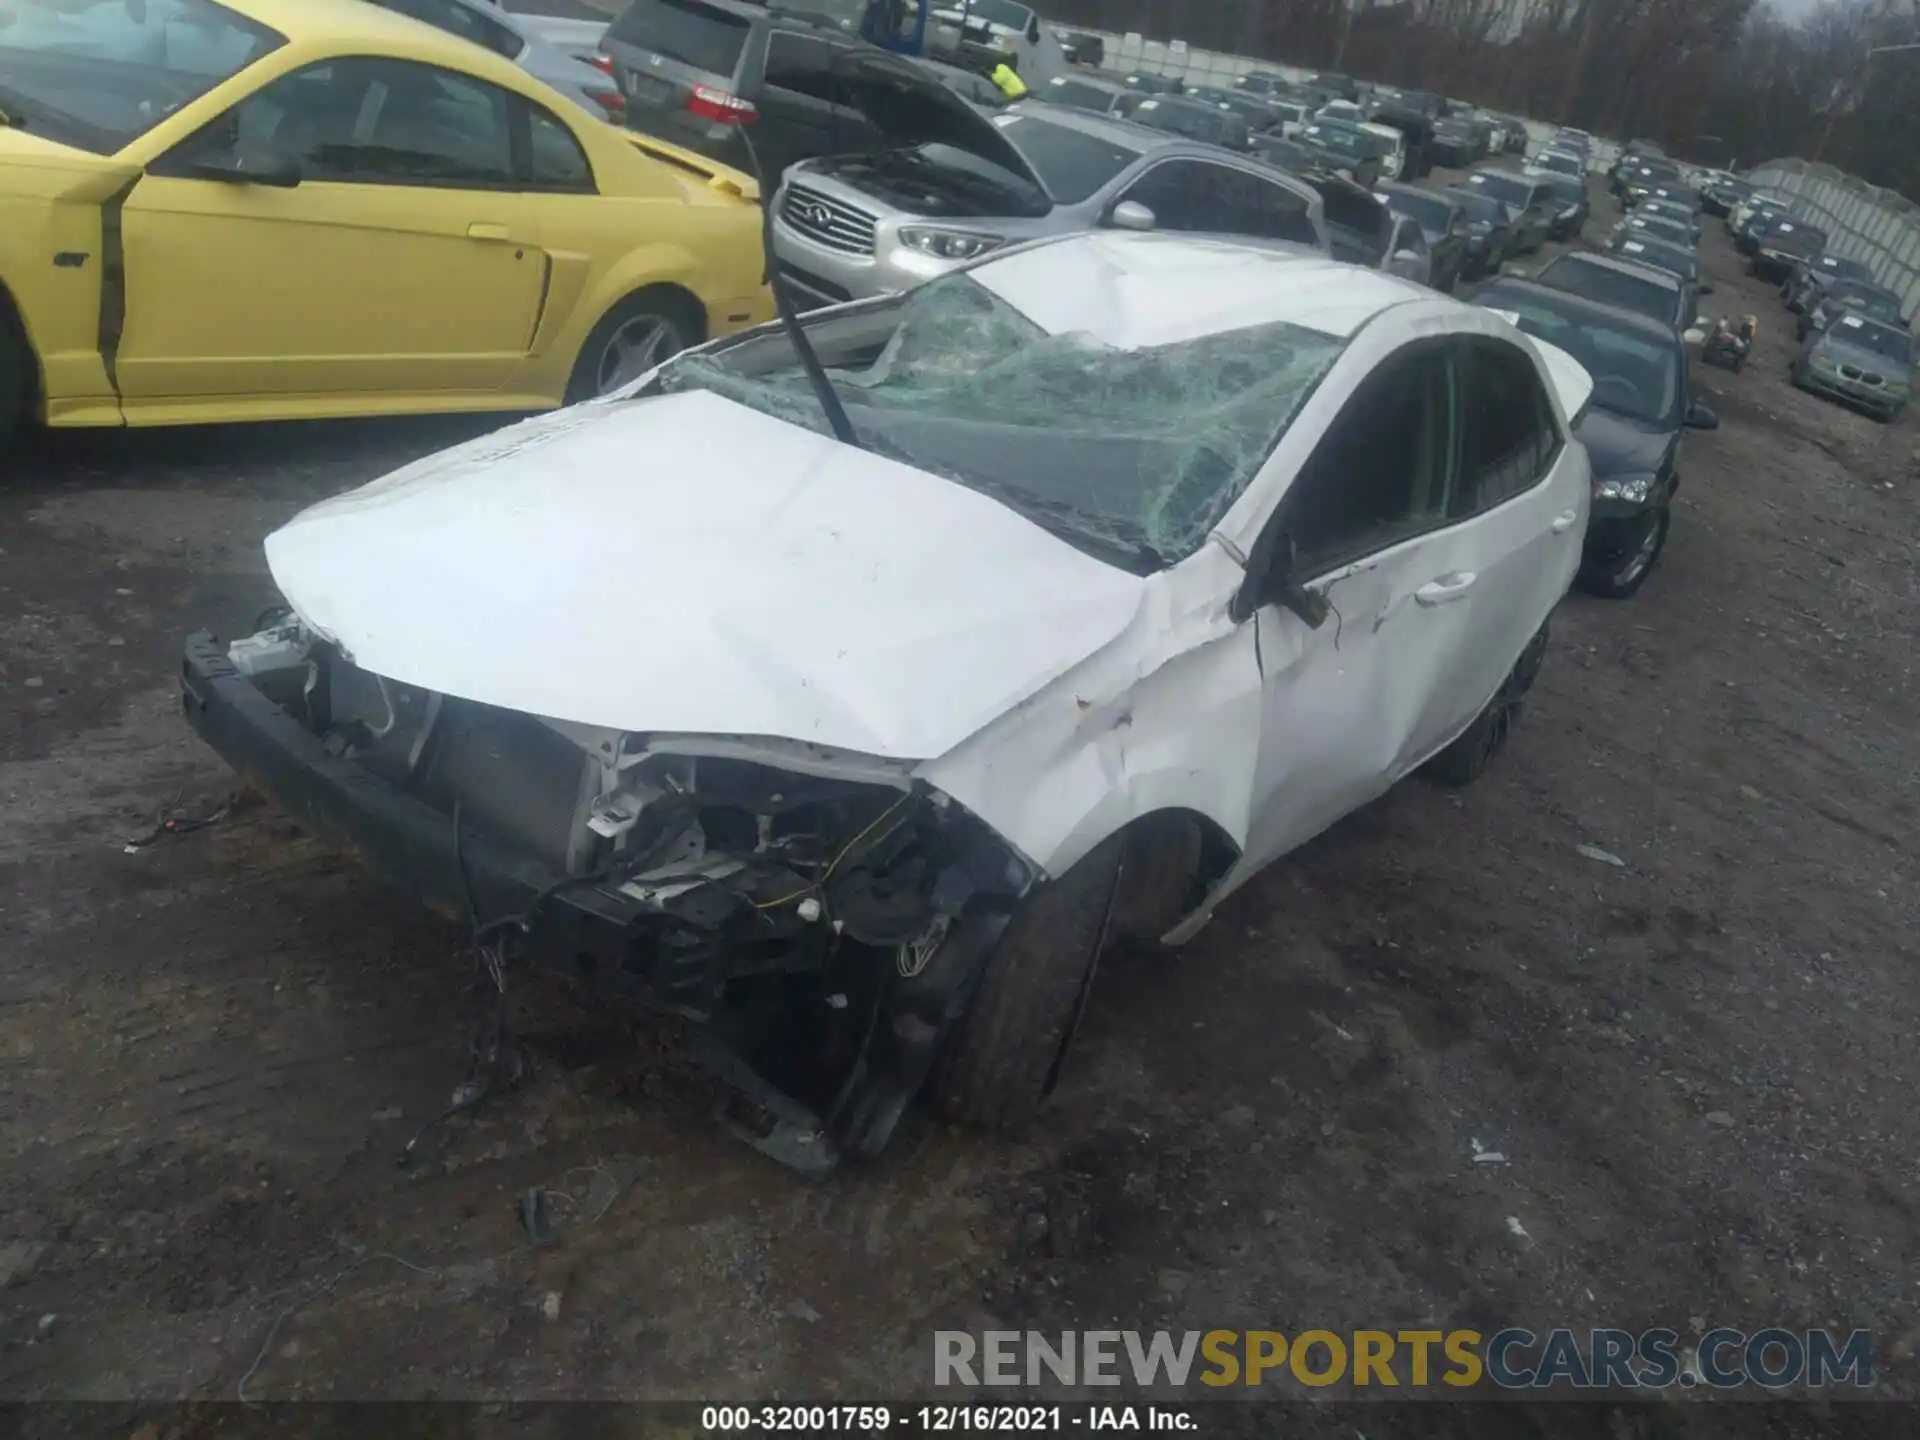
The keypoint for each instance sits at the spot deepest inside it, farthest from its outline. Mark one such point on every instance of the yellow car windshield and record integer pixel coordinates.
(100, 73)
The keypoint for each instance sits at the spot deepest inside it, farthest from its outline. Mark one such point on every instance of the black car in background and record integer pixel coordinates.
(1528, 201)
(1443, 222)
(1670, 210)
(1759, 220)
(1083, 49)
(1193, 119)
(1681, 260)
(1658, 227)
(1720, 197)
(1259, 114)
(1489, 232)
(1345, 150)
(1283, 154)
(1149, 83)
(1264, 82)
(1802, 290)
(1641, 289)
(1084, 92)
(1849, 297)
(1459, 142)
(1632, 425)
(1574, 205)
(1784, 247)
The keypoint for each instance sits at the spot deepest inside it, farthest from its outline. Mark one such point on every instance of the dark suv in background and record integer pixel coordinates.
(705, 74)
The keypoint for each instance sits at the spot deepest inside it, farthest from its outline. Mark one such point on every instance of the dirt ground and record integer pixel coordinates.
(1700, 1063)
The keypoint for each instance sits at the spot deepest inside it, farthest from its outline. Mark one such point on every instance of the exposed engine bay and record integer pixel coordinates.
(822, 915)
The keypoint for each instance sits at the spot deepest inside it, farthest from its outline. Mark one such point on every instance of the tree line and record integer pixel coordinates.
(1717, 81)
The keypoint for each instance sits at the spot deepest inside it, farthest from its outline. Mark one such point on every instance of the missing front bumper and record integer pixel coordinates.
(825, 1038)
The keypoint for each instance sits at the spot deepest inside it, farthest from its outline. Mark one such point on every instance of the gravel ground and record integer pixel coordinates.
(1699, 1063)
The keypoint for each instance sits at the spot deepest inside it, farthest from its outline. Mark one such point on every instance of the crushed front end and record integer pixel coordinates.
(824, 917)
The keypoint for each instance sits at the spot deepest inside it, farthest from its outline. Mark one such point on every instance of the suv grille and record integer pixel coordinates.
(827, 222)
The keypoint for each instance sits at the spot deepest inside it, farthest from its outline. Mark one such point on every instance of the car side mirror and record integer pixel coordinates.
(1706, 289)
(1701, 417)
(1132, 215)
(1270, 581)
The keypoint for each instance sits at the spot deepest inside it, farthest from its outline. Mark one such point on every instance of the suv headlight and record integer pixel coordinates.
(1820, 361)
(1634, 489)
(949, 244)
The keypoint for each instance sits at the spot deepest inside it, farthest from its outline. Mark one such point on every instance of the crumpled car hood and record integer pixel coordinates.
(687, 564)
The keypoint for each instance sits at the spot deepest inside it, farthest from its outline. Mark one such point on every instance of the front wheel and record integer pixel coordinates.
(1468, 757)
(1005, 1053)
(1623, 577)
(637, 334)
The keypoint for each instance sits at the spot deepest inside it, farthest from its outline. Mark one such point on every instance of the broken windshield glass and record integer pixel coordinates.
(1135, 454)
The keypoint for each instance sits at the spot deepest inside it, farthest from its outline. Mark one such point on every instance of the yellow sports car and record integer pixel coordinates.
(286, 209)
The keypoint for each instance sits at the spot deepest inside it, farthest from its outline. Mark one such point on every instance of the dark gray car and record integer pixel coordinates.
(1443, 224)
(706, 74)
(1195, 119)
(1658, 294)
(1529, 203)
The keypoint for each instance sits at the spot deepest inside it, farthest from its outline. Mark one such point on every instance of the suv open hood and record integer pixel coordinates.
(685, 564)
(909, 107)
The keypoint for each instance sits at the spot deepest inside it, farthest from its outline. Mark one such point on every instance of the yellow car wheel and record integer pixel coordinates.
(646, 328)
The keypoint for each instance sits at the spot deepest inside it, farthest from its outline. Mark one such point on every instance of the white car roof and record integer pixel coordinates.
(1134, 290)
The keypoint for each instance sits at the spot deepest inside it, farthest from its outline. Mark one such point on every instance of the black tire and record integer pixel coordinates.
(1005, 1052)
(669, 314)
(1468, 757)
(16, 366)
(1623, 580)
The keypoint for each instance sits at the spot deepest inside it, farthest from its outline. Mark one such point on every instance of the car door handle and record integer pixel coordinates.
(1446, 588)
(486, 230)
(1563, 522)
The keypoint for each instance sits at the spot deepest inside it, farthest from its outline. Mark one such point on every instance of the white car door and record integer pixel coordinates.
(1352, 702)
(1519, 497)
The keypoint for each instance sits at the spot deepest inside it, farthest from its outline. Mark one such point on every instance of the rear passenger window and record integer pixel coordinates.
(1508, 433)
(558, 162)
(803, 65)
(702, 36)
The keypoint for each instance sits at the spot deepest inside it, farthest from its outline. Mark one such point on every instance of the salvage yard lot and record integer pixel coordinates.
(1699, 1063)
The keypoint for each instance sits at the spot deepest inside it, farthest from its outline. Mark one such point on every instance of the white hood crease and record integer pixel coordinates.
(687, 564)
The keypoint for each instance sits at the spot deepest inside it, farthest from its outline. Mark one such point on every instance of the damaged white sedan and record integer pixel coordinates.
(849, 689)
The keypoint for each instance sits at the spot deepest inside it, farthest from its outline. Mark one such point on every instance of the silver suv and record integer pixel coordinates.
(852, 226)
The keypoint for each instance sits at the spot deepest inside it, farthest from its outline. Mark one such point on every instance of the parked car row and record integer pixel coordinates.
(1854, 343)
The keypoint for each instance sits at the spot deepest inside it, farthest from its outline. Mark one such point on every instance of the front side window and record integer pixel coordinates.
(1134, 454)
(98, 74)
(1384, 471)
(370, 121)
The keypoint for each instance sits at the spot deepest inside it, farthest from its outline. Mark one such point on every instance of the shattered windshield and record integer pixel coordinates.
(1131, 454)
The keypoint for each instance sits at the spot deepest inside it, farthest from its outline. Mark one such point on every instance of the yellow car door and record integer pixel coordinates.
(349, 235)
